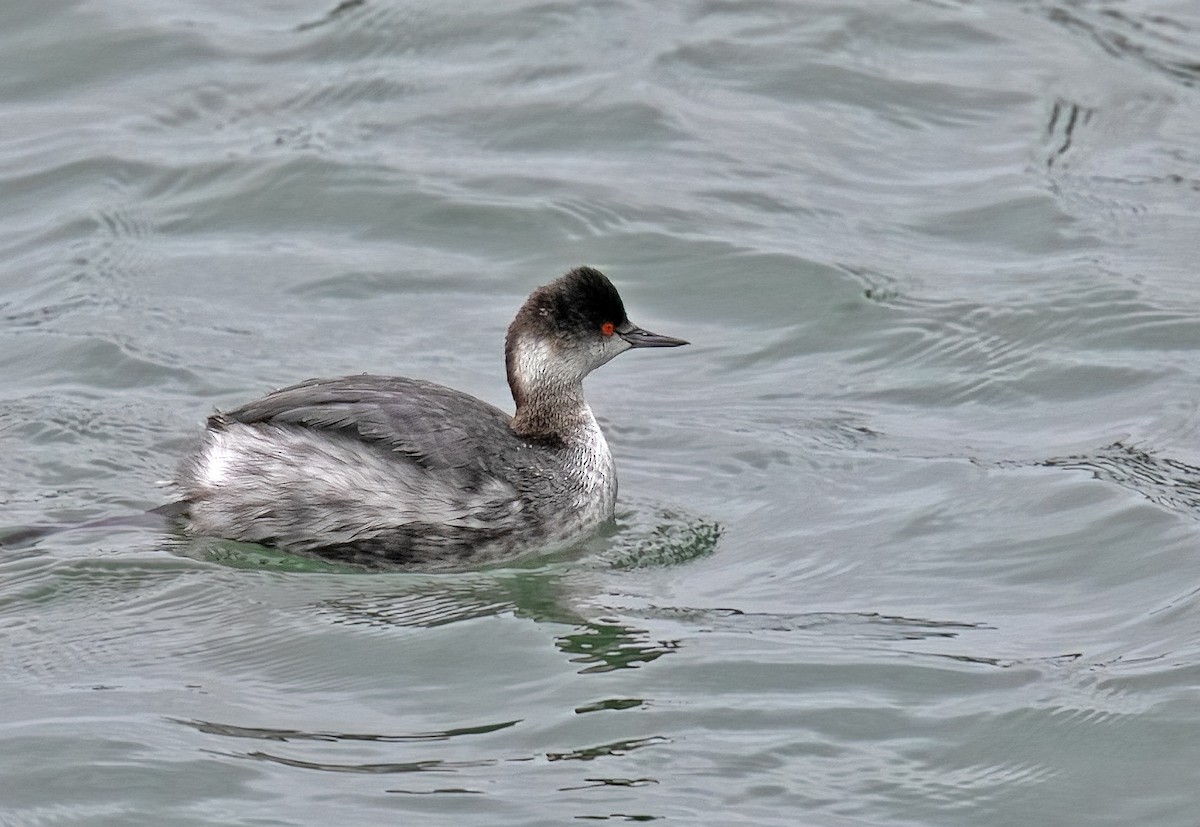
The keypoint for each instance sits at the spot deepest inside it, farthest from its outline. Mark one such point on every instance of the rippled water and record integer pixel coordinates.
(909, 536)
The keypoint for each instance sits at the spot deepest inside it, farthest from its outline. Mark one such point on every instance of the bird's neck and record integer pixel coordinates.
(547, 393)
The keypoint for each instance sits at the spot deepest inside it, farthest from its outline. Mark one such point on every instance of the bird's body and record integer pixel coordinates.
(397, 472)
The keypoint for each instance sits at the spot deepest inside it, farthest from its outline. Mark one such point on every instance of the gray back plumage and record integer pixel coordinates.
(436, 427)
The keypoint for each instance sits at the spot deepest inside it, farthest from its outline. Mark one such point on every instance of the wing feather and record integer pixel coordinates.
(434, 426)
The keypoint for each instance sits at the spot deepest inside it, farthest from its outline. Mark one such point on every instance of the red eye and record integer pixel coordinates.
(608, 328)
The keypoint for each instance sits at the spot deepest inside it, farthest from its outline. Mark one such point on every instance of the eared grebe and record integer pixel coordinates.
(392, 472)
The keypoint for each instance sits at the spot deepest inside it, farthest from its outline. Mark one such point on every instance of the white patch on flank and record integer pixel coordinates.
(308, 488)
(214, 462)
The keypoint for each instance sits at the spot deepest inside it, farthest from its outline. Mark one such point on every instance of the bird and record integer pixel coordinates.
(387, 472)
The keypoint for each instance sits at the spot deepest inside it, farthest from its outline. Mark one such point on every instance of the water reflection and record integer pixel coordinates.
(1154, 41)
(1003, 663)
(609, 644)
(1065, 117)
(588, 753)
(613, 704)
(609, 749)
(545, 596)
(233, 731)
(862, 624)
(1166, 482)
(611, 782)
(435, 765)
(332, 15)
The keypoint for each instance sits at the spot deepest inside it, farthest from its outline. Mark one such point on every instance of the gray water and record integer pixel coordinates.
(910, 535)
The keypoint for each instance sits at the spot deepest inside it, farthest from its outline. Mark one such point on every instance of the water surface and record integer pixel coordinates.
(908, 536)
